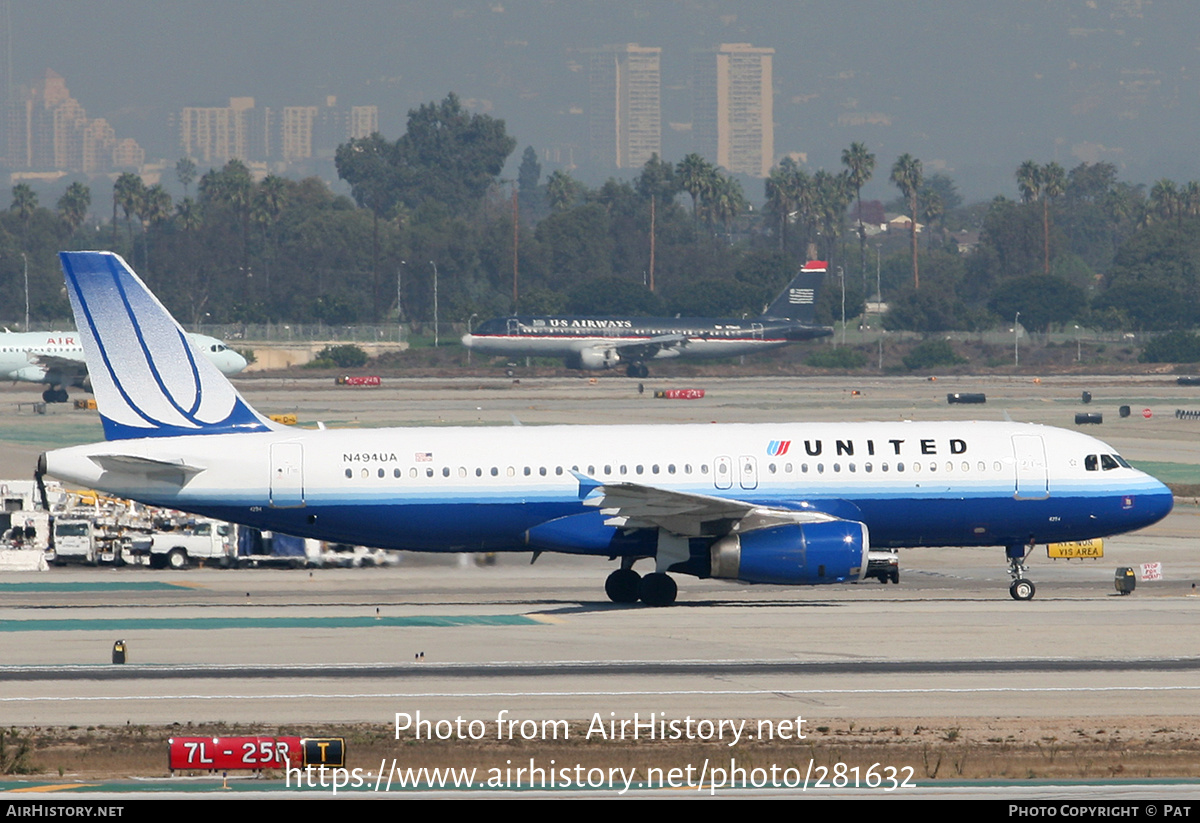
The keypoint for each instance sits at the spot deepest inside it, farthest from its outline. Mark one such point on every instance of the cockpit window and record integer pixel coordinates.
(1091, 463)
(1122, 461)
(1108, 462)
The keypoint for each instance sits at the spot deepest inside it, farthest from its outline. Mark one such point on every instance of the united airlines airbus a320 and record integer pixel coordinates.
(597, 343)
(786, 503)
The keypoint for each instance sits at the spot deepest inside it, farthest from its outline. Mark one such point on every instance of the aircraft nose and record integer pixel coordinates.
(468, 340)
(237, 362)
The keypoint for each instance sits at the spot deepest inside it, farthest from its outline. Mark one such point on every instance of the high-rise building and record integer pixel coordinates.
(625, 106)
(732, 108)
(48, 130)
(297, 132)
(214, 135)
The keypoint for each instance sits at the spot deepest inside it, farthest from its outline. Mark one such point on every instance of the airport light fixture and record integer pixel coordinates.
(1017, 340)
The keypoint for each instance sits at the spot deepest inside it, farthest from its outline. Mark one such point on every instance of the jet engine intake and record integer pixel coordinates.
(595, 358)
(794, 553)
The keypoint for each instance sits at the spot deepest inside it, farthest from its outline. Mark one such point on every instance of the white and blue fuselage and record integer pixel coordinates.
(454, 489)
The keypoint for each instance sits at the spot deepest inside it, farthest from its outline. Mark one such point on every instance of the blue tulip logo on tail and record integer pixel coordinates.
(147, 379)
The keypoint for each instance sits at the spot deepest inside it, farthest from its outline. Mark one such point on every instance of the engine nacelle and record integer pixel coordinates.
(794, 553)
(595, 358)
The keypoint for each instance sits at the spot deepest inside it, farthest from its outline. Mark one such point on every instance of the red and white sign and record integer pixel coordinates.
(368, 380)
(1152, 571)
(225, 753)
(1146, 413)
(681, 394)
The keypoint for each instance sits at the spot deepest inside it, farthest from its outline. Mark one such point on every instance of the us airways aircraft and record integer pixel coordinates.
(56, 358)
(606, 342)
(784, 503)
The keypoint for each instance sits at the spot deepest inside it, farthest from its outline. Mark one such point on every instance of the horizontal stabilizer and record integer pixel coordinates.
(169, 471)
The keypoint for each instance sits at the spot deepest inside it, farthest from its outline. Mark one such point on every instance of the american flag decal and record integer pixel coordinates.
(423, 457)
(800, 296)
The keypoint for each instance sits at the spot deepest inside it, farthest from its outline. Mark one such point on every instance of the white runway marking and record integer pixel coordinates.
(635, 693)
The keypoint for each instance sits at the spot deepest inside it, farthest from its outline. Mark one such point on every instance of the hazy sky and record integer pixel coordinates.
(971, 87)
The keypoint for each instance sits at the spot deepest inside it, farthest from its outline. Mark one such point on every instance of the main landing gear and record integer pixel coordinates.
(627, 586)
(637, 370)
(1021, 588)
(53, 395)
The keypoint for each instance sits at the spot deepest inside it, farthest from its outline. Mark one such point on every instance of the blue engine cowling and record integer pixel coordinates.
(794, 553)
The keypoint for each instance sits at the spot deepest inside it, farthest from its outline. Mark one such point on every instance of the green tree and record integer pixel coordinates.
(450, 155)
(1040, 298)
(907, 176)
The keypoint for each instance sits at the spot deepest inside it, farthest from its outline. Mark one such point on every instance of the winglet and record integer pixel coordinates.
(148, 379)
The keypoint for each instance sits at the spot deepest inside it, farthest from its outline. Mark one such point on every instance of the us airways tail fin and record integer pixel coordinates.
(147, 378)
(799, 300)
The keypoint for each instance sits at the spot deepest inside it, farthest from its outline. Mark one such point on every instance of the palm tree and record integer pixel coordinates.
(185, 172)
(908, 177)
(562, 190)
(779, 193)
(127, 193)
(1054, 184)
(1164, 199)
(725, 202)
(1029, 181)
(155, 207)
(696, 176)
(24, 204)
(861, 164)
(74, 204)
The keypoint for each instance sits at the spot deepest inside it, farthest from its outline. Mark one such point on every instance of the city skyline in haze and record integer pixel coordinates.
(971, 88)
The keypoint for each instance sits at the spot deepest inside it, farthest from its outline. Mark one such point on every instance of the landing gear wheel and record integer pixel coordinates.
(1022, 589)
(177, 559)
(622, 586)
(643, 370)
(658, 589)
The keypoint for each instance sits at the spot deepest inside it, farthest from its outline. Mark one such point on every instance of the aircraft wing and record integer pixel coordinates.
(635, 506)
(645, 349)
(68, 367)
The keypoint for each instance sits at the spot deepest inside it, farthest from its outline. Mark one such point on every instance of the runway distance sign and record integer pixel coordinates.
(231, 753)
(1076, 548)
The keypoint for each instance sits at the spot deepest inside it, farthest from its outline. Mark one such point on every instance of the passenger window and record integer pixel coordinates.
(396, 473)
(495, 472)
(445, 471)
(349, 473)
(527, 471)
(542, 471)
(381, 474)
(429, 472)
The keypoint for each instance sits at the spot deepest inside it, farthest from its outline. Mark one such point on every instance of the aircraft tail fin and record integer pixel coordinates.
(799, 300)
(148, 379)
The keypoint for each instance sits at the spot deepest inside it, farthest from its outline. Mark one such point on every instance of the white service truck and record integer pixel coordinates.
(193, 540)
